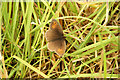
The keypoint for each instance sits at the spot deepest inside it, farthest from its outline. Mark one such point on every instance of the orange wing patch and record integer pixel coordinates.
(53, 26)
(60, 51)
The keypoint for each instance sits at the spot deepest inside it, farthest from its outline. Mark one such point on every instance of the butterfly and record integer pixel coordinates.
(55, 38)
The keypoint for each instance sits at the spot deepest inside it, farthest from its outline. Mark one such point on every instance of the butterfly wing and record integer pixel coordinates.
(55, 31)
(55, 26)
(52, 35)
(59, 46)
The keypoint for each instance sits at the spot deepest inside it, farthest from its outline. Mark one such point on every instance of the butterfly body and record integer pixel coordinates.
(55, 38)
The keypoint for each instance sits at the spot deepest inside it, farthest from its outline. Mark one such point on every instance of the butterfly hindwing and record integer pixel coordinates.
(59, 46)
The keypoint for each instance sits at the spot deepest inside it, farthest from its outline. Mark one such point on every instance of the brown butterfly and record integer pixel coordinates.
(55, 38)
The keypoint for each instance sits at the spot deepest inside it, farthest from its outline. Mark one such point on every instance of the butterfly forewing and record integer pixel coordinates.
(55, 26)
(52, 35)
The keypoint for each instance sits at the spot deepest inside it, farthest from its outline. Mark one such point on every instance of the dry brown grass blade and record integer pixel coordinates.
(5, 73)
